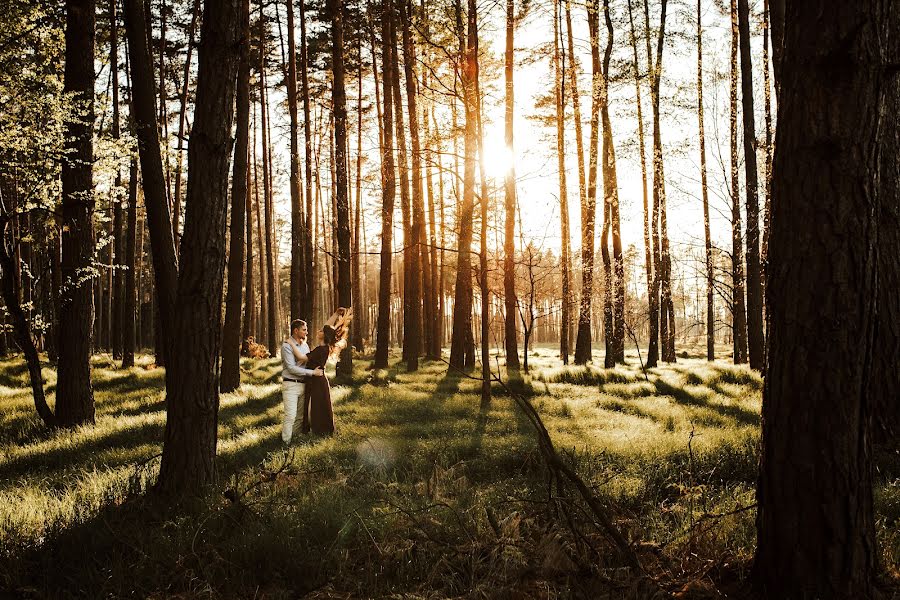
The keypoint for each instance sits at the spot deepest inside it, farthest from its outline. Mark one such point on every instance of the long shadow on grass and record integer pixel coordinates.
(147, 548)
(13, 373)
(685, 397)
(82, 453)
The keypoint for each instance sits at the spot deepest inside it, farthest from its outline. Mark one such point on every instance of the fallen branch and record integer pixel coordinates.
(559, 467)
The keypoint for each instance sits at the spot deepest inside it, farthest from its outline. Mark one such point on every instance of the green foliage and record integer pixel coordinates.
(420, 493)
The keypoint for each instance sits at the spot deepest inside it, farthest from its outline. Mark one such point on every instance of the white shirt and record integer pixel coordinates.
(290, 368)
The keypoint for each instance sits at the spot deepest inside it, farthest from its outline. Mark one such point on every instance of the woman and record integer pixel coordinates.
(318, 415)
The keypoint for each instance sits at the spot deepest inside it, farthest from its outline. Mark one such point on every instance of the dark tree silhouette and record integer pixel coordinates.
(231, 333)
(755, 339)
(815, 523)
(342, 199)
(383, 332)
(74, 394)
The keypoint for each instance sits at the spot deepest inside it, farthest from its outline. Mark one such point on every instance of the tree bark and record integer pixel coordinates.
(143, 100)
(885, 380)
(565, 253)
(614, 292)
(461, 341)
(588, 200)
(485, 200)
(767, 95)
(231, 334)
(74, 394)
(131, 274)
(262, 324)
(192, 394)
(360, 313)
(298, 225)
(611, 189)
(653, 297)
(9, 287)
(509, 229)
(815, 520)
(775, 19)
(710, 308)
(118, 250)
(250, 316)
(755, 339)
(417, 229)
(271, 306)
(308, 308)
(739, 313)
(383, 333)
(342, 202)
(182, 117)
(667, 314)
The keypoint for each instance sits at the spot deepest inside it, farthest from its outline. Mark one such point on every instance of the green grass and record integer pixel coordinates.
(420, 494)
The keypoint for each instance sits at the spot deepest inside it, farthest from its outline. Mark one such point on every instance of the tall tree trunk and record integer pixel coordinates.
(667, 314)
(143, 100)
(509, 229)
(815, 520)
(10, 292)
(710, 308)
(653, 296)
(775, 19)
(485, 200)
(271, 307)
(262, 325)
(360, 313)
(192, 390)
(739, 313)
(163, 119)
(409, 330)
(560, 88)
(118, 250)
(767, 96)
(441, 292)
(182, 116)
(129, 299)
(308, 308)
(588, 203)
(755, 338)
(461, 340)
(417, 229)
(597, 99)
(383, 333)
(611, 188)
(885, 379)
(298, 225)
(250, 316)
(74, 395)
(342, 202)
(231, 334)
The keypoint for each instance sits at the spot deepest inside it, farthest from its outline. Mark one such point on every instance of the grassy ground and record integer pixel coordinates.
(421, 494)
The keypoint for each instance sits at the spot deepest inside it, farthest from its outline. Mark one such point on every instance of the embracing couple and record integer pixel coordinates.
(305, 386)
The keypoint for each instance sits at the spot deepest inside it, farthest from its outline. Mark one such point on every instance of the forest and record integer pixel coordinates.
(450, 299)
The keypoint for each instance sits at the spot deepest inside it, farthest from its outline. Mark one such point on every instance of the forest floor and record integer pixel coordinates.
(420, 494)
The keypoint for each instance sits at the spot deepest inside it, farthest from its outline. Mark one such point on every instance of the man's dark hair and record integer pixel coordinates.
(297, 324)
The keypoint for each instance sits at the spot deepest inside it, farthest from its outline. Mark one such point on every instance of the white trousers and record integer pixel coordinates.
(292, 394)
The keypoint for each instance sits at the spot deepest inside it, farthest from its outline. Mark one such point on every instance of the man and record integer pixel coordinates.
(294, 377)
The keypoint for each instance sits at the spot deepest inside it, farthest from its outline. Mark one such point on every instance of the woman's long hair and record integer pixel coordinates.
(335, 329)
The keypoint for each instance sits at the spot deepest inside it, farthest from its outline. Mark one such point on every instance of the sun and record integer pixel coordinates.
(498, 157)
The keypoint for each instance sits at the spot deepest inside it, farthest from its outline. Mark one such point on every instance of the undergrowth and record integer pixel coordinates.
(421, 493)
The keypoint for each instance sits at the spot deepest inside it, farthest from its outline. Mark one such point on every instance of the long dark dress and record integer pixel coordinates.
(317, 411)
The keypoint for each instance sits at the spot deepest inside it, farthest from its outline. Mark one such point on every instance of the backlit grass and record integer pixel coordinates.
(421, 492)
